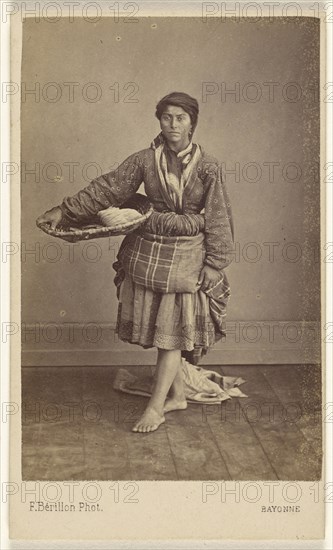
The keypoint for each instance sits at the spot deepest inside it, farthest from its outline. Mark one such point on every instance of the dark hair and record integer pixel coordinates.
(179, 99)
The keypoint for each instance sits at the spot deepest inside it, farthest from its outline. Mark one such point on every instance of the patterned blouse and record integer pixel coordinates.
(204, 190)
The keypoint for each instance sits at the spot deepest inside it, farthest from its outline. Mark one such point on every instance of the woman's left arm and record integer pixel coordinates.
(219, 231)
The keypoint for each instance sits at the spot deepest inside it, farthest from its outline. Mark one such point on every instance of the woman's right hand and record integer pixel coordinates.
(52, 217)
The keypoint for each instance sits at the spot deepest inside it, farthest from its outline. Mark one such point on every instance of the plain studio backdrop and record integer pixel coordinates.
(89, 92)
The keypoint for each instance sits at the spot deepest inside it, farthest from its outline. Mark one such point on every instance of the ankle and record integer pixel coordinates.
(157, 409)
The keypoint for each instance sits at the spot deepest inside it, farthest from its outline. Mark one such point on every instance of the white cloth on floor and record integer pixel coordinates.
(200, 385)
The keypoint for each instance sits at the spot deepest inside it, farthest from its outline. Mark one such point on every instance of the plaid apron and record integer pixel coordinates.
(164, 264)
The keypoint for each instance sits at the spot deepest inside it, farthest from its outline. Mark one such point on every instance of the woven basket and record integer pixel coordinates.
(94, 230)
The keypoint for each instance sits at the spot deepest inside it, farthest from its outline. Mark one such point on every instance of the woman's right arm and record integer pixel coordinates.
(111, 189)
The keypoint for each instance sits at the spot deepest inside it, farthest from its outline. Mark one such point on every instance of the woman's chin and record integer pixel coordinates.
(174, 139)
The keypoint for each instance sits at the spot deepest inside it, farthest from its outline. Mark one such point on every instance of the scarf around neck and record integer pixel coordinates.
(173, 187)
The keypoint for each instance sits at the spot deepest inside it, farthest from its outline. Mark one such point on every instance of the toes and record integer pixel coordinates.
(137, 427)
(142, 428)
(144, 425)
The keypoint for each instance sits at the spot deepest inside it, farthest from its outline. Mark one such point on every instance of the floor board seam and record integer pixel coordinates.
(259, 441)
(319, 455)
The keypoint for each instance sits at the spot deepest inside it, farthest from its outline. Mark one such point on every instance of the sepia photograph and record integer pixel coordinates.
(172, 229)
(197, 237)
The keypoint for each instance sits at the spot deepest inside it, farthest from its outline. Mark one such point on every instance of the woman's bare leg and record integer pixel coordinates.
(167, 366)
(176, 399)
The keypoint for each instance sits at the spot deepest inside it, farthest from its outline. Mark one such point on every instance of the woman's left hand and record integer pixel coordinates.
(209, 277)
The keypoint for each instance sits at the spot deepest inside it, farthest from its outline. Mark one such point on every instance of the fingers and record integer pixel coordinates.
(205, 283)
(208, 279)
(40, 220)
(45, 219)
(201, 277)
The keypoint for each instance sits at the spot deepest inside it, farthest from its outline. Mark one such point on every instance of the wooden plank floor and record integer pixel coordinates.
(76, 427)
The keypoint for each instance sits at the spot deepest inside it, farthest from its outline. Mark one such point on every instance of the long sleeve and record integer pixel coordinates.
(219, 230)
(113, 188)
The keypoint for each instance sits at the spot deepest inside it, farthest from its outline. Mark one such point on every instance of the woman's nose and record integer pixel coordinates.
(173, 122)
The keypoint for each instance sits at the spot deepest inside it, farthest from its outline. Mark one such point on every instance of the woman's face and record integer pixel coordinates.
(176, 125)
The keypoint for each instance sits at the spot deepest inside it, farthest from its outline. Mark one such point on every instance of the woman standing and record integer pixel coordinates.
(170, 279)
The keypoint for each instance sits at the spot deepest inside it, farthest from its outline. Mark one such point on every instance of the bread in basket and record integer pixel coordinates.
(95, 230)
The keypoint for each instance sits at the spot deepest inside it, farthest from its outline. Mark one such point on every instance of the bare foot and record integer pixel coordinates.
(174, 404)
(149, 421)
